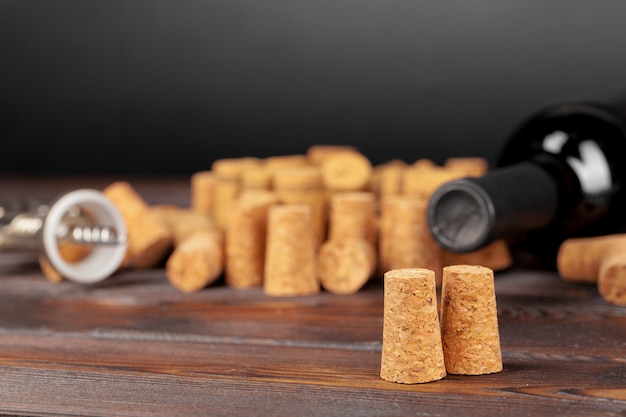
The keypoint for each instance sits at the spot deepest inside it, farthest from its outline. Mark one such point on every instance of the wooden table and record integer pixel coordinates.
(133, 345)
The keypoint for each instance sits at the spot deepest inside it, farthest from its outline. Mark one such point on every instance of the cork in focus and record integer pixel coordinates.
(412, 348)
(469, 321)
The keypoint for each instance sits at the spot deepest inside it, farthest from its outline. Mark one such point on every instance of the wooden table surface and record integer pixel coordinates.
(133, 345)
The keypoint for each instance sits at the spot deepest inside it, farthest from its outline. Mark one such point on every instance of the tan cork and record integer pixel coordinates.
(202, 192)
(411, 347)
(198, 256)
(183, 222)
(497, 256)
(197, 261)
(304, 185)
(149, 239)
(612, 276)
(245, 239)
(228, 172)
(256, 178)
(387, 178)
(353, 214)
(290, 263)
(469, 321)
(345, 264)
(405, 240)
(318, 153)
(70, 252)
(273, 163)
(468, 166)
(424, 177)
(347, 171)
(580, 259)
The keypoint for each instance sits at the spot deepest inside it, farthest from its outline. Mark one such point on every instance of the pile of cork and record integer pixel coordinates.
(326, 219)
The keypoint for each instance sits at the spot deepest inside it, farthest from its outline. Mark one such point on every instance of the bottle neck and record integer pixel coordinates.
(467, 214)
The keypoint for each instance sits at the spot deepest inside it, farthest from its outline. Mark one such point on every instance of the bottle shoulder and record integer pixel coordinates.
(558, 130)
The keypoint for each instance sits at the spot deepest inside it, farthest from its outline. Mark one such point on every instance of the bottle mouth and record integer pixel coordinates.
(460, 216)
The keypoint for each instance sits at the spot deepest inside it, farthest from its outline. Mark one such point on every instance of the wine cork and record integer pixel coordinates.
(424, 177)
(468, 166)
(405, 240)
(245, 240)
(497, 256)
(273, 163)
(256, 178)
(612, 275)
(183, 222)
(202, 192)
(388, 177)
(353, 214)
(580, 259)
(345, 264)
(304, 185)
(411, 347)
(318, 153)
(469, 321)
(228, 173)
(290, 264)
(197, 261)
(346, 171)
(70, 252)
(149, 239)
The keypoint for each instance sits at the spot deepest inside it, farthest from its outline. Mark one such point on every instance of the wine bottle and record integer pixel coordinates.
(561, 174)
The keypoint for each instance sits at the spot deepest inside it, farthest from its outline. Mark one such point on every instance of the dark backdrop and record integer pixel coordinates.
(156, 86)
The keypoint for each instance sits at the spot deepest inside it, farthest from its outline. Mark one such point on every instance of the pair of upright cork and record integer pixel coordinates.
(417, 346)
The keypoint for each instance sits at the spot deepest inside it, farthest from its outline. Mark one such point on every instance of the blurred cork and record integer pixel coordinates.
(198, 256)
(345, 264)
(423, 177)
(580, 259)
(228, 172)
(387, 178)
(353, 214)
(469, 321)
(468, 166)
(411, 347)
(612, 276)
(404, 236)
(497, 256)
(70, 252)
(256, 178)
(273, 163)
(599, 260)
(149, 239)
(304, 185)
(202, 192)
(197, 261)
(347, 171)
(290, 263)
(318, 153)
(246, 238)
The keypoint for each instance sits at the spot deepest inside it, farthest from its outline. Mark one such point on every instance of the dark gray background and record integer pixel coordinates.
(155, 86)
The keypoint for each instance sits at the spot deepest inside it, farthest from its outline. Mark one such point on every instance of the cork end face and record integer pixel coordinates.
(409, 273)
(612, 284)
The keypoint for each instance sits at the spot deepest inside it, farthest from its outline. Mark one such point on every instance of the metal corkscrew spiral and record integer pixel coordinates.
(84, 217)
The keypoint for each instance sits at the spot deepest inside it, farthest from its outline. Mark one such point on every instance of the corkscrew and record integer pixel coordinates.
(83, 217)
